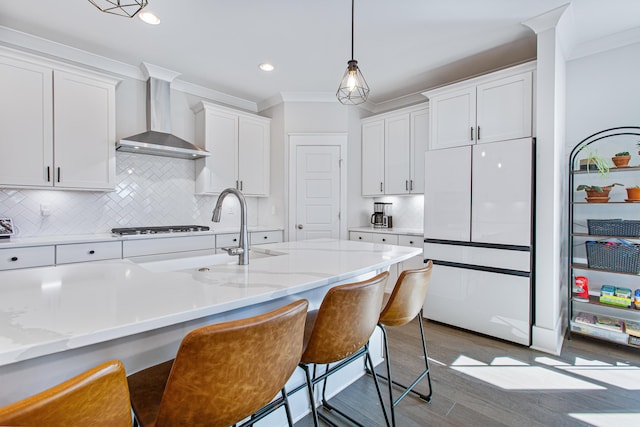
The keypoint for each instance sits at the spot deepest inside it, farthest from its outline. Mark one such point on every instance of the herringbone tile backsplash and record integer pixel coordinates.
(150, 190)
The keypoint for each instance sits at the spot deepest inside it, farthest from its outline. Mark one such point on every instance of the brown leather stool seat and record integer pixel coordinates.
(223, 373)
(402, 306)
(97, 397)
(339, 331)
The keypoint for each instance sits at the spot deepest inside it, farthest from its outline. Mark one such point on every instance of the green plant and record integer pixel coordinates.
(593, 158)
(622, 153)
(596, 187)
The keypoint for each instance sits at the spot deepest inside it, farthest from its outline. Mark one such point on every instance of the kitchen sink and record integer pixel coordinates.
(181, 262)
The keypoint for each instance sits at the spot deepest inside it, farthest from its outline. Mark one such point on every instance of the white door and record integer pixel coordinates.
(317, 192)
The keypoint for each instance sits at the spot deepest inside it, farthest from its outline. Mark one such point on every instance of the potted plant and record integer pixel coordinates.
(595, 161)
(597, 194)
(633, 193)
(621, 160)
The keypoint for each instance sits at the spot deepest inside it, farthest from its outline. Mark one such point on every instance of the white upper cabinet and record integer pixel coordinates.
(373, 158)
(240, 149)
(62, 123)
(26, 123)
(397, 152)
(453, 118)
(84, 132)
(393, 146)
(495, 107)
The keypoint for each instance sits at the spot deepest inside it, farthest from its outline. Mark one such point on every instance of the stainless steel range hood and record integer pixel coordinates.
(158, 140)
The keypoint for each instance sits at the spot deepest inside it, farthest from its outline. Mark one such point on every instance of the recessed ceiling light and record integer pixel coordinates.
(149, 18)
(266, 67)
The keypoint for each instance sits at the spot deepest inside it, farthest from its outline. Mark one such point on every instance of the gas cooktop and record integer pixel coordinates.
(156, 230)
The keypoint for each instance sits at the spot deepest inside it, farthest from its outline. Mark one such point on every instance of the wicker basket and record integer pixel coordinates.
(614, 256)
(614, 227)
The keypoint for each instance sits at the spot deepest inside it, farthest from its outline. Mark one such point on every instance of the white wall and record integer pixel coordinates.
(603, 91)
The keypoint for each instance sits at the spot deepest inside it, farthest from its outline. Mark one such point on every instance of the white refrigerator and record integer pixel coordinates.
(479, 233)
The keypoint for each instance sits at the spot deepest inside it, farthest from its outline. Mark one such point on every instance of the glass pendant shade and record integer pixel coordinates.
(353, 88)
(126, 8)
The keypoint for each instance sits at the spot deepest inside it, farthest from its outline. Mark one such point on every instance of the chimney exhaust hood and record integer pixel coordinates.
(158, 140)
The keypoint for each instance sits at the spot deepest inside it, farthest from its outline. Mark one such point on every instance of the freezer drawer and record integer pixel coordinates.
(494, 304)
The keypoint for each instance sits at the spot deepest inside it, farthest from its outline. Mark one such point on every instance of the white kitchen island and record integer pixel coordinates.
(56, 322)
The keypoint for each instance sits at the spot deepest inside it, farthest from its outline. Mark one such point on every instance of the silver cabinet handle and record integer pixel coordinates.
(381, 187)
(14, 258)
(58, 173)
(472, 133)
(48, 174)
(411, 184)
(300, 226)
(406, 184)
(478, 133)
(91, 252)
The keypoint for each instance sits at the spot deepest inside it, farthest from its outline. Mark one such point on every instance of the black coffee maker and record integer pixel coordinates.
(381, 217)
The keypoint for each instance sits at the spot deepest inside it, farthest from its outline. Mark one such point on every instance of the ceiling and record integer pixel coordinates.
(402, 46)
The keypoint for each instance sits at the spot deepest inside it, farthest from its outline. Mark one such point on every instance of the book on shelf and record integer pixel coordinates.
(610, 323)
(585, 318)
(632, 328)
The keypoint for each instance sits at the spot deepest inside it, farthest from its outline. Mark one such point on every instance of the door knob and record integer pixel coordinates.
(300, 226)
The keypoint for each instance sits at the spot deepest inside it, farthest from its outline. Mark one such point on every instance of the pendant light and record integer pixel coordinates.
(353, 88)
(126, 8)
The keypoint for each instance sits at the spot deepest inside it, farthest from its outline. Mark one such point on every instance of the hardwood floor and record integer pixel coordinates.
(479, 381)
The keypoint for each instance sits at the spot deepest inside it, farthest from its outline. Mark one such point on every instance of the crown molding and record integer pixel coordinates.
(613, 41)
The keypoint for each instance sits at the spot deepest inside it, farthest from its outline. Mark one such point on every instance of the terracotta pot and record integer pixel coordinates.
(633, 193)
(621, 161)
(594, 194)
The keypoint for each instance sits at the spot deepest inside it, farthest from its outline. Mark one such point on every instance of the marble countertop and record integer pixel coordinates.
(47, 310)
(404, 231)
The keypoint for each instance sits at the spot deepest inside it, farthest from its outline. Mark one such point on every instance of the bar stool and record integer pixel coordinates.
(339, 331)
(223, 373)
(97, 397)
(400, 307)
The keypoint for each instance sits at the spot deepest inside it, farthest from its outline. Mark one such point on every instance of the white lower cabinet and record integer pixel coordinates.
(33, 256)
(84, 252)
(263, 237)
(393, 239)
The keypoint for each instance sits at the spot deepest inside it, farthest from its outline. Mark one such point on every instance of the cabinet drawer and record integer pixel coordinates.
(227, 240)
(167, 245)
(262, 237)
(388, 239)
(413, 241)
(36, 256)
(362, 237)
(83, 252)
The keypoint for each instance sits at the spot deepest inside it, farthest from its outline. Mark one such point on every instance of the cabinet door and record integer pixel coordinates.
(419, 141)
(504, 109)
(453, 118)
(501, 207)
(397, 153)
(26, 124)
(84, 132)
(495, 304)
(221, 139)
(373, 158)
(253, 156)
(447, 194)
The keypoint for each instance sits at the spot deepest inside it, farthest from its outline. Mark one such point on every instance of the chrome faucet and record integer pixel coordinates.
(243, 249)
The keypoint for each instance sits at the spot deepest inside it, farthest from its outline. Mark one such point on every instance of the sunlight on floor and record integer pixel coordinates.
(608, 420)
(511, 374)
